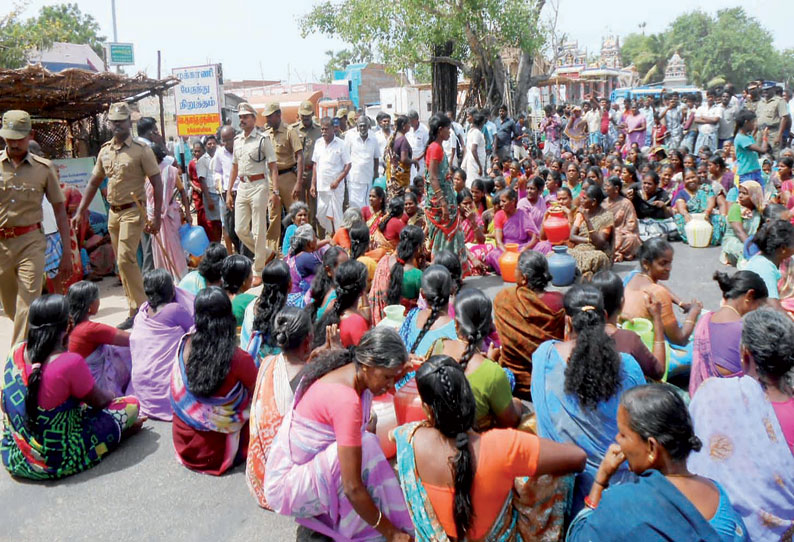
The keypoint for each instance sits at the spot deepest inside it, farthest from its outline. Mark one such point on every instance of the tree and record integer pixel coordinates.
(407, 34)
(63, 22)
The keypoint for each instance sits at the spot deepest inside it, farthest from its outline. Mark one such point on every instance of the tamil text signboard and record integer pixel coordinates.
(198, 106)
(120, 54)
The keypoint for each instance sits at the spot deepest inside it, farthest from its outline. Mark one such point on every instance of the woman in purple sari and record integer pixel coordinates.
(534, 204)
(718, 335)
(636, 126)
(324, 468)
(512, 225)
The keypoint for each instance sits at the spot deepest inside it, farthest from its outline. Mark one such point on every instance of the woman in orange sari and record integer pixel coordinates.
(627, 230)
(274, 392)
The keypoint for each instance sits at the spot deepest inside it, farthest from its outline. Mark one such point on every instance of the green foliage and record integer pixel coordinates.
(731, 46)
(62, 22)
(340, 60)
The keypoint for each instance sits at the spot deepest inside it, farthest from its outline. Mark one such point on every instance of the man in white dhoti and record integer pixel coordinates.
(363, 150)
(331, 165)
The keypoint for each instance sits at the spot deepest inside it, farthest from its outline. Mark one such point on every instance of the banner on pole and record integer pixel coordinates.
(198, 105)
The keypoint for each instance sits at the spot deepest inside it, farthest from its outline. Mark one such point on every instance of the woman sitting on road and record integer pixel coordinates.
(303, 262)
(323, 443)
(459, 484)
(667, 502)
(350, 217)
(627, 232)
(525, 316)
(274, 392)
(775, 241)
(747, 425)
(422, 327)
(349, 310)
(359, 247)
(237, 277)
(57, 421)
(208, 272)
(211, 385)
(159, 326)
(697, 198)
(322, 290)
(256, 335)
(106, 349)
(592, 233)
(398, 277)
(512, 226)
(744, 219)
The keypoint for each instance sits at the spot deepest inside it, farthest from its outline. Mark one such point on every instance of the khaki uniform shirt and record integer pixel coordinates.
(286, 142)
(22, 189)
(770, 113)
(252, 154)
(308, 138)
(126, 165)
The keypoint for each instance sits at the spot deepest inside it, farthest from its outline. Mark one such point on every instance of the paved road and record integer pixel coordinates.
(140, 492)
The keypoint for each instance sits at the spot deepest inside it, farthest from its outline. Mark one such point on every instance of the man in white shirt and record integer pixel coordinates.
(363, 151)
(222, 168)
(331, 165)
(382, 135)
(417, 136)
(707, 117)
(727, 126)
(592, 116)
(211, 219)
(453, 146)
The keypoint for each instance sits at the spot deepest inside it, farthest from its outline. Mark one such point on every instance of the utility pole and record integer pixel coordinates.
(160, 98)
(115, 30)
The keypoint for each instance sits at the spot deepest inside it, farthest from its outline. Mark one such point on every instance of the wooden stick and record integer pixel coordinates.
(171, 268)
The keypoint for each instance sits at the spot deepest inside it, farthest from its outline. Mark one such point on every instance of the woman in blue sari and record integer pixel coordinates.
(423, 327)
(256, 332)
(666, 502)
(576, 384)
(698, 198)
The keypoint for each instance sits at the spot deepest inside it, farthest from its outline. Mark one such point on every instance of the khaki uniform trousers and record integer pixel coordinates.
(125, 229)
(286, 182)
(250, 220)
(21, 277)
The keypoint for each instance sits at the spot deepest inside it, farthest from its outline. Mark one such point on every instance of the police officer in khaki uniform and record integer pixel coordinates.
(309, 133)
(289, 159)
(772, 112)
(24, 180)
(253, 156)
(127, 163)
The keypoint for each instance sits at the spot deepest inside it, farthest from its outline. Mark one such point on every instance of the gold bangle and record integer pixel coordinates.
(658, 342)
(380, 517)
(688, 321)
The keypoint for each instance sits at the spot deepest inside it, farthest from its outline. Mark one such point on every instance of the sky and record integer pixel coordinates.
(261, 39)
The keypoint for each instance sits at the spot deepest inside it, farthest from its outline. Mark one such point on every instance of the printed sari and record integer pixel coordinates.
(111, 367)
(303, 479)
(70, 438)
(744, 449)
(517, 229)
(378, 293)
(398, 177)
(627, 229)
(171, 220)
(698, 204)
(443, 234)
(272, 399)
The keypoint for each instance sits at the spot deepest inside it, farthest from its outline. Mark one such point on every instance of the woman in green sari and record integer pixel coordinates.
(697, 198)
(744, 217)
(441, 204)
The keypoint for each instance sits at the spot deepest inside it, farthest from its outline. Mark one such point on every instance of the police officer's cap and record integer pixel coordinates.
(270, 108)
(342, 113)
(119, 111)
(306, 108)
(246, 109)
(16, 125)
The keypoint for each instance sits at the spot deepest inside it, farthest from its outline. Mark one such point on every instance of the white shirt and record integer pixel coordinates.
(727, 121)
(203, 170)
(362, 159)
(382, 139)
(593, 120)
(222, 167)
(418, 139)
(48, 222)
(706, 111)
(329, 159)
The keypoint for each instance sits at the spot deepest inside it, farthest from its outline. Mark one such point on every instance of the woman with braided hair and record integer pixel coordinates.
(349, 311)
(398, 277)
(256, 335)
(465, 491)
(422, 327)
(322, 289)
(359, 247)
(577, 384)
(489, 382)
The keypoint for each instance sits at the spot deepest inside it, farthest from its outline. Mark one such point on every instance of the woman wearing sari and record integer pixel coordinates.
(525, 316)
(256, 334)
(576, 384)
(208, 272)
(744, 218)
(168, 253)
(106, 349)
(322, 291)
(576, 130)
(414, 215)
(720, 355)
(324, 468)
(349, 311)
(775, 242)
(697, 198)
(666, 502)
(627, 230)
(475, 499)
(533, 204)
(304, 260)
(636, 125)
(377, 207)
(211, 385)
(423, 327)
(359, 247)
(441, 209)
(398, 277)
(397, 157)
(513, 226)
(747, 426)
(592, 233)
(159, 326)
(275, 386)
(474, 234)
(386, 234)
(479, 194)
(56, 420)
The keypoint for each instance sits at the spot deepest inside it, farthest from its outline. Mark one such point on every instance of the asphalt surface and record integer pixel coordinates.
(140, 492)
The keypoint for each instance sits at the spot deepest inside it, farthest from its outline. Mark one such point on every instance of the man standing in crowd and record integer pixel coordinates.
(253, 156)
(309, 133)
(727, 127)
(506, 132)
(289, 159)
(418, 136)
(25, 179)
(206, 205)
(708, 117)
(341, 117)
(772, 113)
(673, 119)
(148, 134)
(363, 151)
(126, 163)
(382, 136)
(222, 170)
(331, 166)
(593, 119)
(647, 112)
(550, 125)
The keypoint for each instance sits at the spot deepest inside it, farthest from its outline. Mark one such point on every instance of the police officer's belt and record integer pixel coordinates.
(252, 178)
(124, 207)
(18, 231)
(288, 169)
